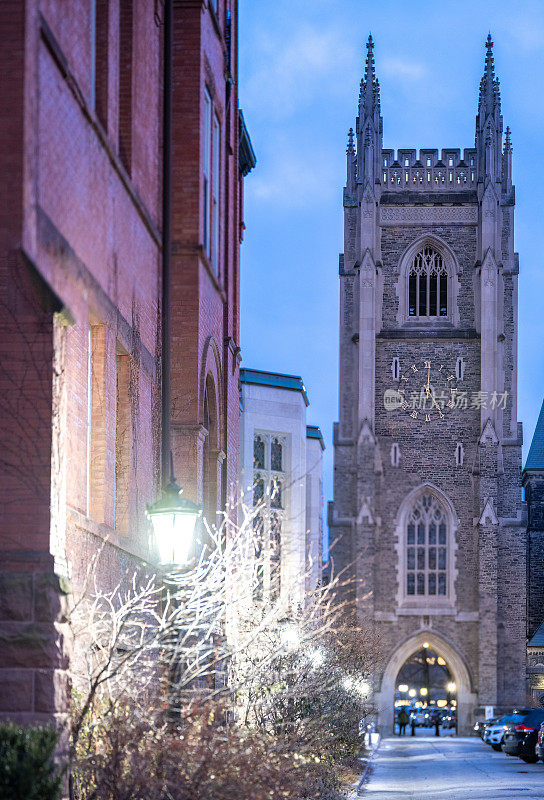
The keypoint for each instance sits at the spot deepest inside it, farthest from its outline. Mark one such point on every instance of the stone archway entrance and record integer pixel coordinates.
(466, 698)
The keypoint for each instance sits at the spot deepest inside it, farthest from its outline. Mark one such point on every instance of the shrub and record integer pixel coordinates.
(27, 767)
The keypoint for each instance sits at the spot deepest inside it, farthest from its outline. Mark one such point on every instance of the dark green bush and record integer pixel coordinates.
(27, 768)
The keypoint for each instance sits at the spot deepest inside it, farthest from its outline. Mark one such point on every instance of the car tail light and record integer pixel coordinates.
(523, 729)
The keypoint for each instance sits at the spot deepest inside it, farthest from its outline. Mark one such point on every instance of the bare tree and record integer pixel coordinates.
(188, 673)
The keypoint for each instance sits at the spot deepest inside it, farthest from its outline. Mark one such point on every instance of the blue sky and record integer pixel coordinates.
(300, 66)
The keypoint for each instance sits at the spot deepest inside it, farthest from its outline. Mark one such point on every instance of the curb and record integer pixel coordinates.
(362, 779)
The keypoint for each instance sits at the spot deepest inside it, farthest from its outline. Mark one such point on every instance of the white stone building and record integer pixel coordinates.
(281, 477)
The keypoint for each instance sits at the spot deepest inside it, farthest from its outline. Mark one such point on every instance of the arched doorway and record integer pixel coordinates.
(465, 697)
(425, 686)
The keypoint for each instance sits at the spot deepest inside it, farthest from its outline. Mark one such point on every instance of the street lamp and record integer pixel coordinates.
(290, 636)
(173, 519)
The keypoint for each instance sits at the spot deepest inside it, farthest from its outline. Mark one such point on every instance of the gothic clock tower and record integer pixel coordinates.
(427, 515)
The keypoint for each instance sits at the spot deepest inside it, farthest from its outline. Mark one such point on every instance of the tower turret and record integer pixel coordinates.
(369, 121)
(489, 121)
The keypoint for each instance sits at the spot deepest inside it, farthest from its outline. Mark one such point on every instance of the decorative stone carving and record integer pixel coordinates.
(428, 215)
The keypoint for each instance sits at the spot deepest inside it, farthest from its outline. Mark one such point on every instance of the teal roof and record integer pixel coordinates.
(535, 459)
(538, 636)
(314, 432)
(277, 380)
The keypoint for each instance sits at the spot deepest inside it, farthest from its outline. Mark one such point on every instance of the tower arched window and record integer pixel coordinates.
(427, 549)
(428, 285)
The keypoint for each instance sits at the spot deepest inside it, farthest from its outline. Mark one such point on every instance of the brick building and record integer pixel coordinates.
(427, 508)
(211, 154)
(81, 145)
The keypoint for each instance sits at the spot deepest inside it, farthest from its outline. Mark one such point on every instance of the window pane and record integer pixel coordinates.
(258, 590)
(258, 490)
(432, 557)
(258, 529)
(423, 295)
(432, 296)
(442, 533)
(421, 558)
(442, 558)
(275, 535)
(432, 533)
(276, 455)
(410, 583)
(411, 534)
(421, 583)
(421, 533)
(258, 453)
(443, 295)
(411, 558)
(412, 295)
(441, 583)
(432, 583)
(275, 495)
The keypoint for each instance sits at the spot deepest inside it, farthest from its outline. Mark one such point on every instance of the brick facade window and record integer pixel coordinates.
(207, 166)
(216, 161)
(427, 548)
(126, 23)
(123, 436)
(96, 424)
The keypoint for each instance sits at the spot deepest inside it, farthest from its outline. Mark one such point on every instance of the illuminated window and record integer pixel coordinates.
(269, 464)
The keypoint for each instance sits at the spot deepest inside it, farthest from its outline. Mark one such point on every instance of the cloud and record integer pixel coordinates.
(288, 69)
(296, 177)
(404, 69)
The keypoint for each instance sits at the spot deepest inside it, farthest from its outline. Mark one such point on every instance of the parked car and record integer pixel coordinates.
(449, 719)
(540, 742)
(521, 734)
(419, 718)
(494, 734)
(482, 725)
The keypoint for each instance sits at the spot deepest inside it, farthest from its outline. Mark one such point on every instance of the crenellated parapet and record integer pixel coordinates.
(430, 170)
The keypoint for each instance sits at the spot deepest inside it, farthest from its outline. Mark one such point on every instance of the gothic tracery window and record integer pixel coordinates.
(428, 284)
(427, 549)
(268, 522)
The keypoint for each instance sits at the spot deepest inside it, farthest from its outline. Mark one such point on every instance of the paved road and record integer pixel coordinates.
(426, 768)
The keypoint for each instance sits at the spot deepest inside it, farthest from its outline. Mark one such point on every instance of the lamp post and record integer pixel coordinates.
(173, 519)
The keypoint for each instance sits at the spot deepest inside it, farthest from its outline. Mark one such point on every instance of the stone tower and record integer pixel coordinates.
(427, 514)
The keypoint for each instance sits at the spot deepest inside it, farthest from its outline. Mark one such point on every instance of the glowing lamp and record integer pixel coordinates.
(451, 687)
(290, 637)
(425, 645)
(173, 519)
(424, 692)
(412, 693)
(403, 687)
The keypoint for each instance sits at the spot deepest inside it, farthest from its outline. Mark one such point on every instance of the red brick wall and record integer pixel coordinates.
(79, 233)
(205, 305)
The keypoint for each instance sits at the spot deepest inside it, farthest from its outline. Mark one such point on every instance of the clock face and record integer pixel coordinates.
(426, 390)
